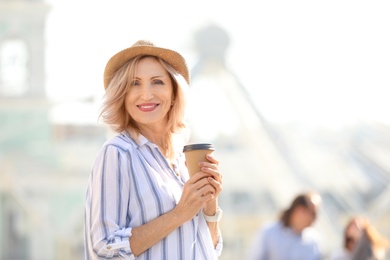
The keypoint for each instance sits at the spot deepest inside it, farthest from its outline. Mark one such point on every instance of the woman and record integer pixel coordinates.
(140, 200)
(292, 236)
(352, 234)
(361, 241)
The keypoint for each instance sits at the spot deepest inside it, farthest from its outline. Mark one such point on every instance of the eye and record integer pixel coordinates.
(158, 82)
(134, 83)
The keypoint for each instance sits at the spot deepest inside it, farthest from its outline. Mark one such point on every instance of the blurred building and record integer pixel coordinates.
(44, 163)
(46, 160)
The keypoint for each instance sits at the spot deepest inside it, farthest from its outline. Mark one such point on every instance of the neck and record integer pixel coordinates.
(156, 137)
(152, 134)
(297, 230)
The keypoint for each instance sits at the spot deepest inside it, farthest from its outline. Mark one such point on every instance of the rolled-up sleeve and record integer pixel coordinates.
(106, 209)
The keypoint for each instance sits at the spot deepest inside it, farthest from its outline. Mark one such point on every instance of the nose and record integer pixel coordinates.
(147, 93)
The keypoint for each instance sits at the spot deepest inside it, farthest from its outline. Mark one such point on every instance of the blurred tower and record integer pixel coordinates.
(24, 128)
(23, 103)
(22, 43)
(223, 112)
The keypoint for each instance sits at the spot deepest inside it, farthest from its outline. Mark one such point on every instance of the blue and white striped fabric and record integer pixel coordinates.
(131, 183)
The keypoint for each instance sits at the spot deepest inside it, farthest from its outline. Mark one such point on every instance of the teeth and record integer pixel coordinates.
(147, 106)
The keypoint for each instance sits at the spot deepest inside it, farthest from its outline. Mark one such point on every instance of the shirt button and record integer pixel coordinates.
(108, 247)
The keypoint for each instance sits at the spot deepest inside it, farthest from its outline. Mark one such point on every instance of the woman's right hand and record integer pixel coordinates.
(197, 191)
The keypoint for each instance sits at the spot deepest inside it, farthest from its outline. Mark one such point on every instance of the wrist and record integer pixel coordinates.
(216, 217)
(210, 208)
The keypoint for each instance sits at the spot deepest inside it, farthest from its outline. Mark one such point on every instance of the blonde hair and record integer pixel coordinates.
(113, 111)
(377, 240)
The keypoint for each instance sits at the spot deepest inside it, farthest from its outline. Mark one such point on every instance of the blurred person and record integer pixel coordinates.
(361, 241)
(352, 233)
(141, 202)
(292, 236)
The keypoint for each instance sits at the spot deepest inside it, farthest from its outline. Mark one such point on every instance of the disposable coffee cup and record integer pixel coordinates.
(196, 153)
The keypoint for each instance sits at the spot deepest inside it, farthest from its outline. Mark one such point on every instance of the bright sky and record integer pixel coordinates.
(322, 62)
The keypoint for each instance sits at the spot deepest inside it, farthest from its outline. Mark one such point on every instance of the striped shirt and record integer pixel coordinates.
(132, 183)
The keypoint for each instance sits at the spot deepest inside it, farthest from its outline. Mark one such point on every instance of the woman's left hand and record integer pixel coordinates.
(215, 179)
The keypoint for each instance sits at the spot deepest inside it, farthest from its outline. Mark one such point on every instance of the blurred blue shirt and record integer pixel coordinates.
(277, 242)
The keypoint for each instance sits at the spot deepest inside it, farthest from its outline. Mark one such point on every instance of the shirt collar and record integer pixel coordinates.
(140, 141)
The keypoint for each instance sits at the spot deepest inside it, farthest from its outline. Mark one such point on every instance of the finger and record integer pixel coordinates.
(193, 198)
(208, 164)
(206, 190)
(201, 183)
(214, 173)
(217, 185)
(197, 198)
(212, 159)
(197, 176)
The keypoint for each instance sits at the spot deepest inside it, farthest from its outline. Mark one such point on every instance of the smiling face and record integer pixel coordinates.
(150, 94)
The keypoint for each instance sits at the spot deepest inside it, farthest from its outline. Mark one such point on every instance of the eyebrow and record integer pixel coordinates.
(154, 77)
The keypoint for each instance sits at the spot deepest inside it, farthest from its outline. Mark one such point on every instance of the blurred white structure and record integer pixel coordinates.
(46, 151)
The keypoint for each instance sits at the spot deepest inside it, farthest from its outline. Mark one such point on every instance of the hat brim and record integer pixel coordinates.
(173, 58)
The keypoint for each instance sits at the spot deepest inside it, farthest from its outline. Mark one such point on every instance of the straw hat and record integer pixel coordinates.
(145, 48)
